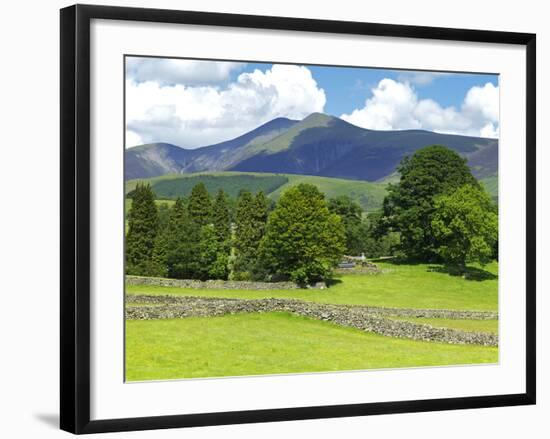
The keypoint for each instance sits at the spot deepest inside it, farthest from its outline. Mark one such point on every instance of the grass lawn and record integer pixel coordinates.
(463, 325)
(250, 344)
(399, 286)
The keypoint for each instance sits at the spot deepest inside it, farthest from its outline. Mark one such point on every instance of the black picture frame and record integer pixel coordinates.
(75, 217)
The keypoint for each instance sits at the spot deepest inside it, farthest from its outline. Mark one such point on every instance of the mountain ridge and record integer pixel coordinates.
(319, 144)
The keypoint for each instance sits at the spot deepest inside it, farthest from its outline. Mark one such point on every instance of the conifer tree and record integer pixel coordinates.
(142, 231)
(176, 248)
(199, 205)
(250, 223)
(221, 217)
(260, 210)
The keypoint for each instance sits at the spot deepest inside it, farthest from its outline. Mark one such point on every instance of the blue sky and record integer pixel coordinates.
(348, 87)
(194, 103)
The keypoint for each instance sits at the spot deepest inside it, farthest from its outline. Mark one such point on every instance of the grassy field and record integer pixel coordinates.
(251, 344)
(399, 286)
(368, 195)
(271, 343)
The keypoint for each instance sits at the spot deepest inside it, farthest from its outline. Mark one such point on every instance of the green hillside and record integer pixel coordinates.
(491, 186)
(368, 195)
(128, 203)
(285, 140)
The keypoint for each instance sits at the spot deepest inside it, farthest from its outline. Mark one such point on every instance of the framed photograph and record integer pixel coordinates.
(273, 218)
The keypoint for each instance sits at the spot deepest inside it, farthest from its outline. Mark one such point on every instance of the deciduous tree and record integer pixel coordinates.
(303, 239)
(409, 205)
(466, 226)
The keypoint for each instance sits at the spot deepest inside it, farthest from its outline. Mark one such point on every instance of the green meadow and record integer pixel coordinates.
(398, 286)
(273, 343)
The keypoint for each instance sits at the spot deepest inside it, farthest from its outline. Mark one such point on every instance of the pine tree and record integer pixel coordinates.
(221, 217)
(176, 248)
(259, 211)
(142, 231)
(200, 206)
(250, 224)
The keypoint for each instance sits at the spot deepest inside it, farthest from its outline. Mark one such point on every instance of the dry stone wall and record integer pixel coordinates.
(372, 319)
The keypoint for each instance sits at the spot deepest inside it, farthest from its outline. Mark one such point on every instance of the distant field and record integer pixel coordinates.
(128, 203)
(399, 286)
(368, 195)
(271, 343)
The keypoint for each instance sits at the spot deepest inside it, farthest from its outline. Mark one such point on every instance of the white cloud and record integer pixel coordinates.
(395, 105)
(170, 71)
(391, 106)
(192, 116)
(421, 78)
(482, 102)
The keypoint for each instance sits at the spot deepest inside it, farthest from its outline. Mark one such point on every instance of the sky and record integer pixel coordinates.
(194, 103)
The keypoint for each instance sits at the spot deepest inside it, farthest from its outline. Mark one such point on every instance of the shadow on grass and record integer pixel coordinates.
(397, 261)
(471, 273)
(332, 282)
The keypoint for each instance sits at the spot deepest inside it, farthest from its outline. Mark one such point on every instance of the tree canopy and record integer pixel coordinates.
(251, 217)
(303, 239)
(177, 246)
(355, 228)
(221, 218)
(143, 226)
(410, 204)
(200, 205)
(466, 226)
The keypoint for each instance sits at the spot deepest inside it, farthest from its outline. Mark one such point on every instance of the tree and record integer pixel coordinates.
(142, 231)
(199, 205)
(466, 226)
(260, 207)
(409, 205)
(244, 234)
(351, 214)
(221, 218)
(176, 248)
(303, 239)
(213, 255)
(377, 241)
(251, 217)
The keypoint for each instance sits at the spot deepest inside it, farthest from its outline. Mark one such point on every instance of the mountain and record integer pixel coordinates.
(156, 159)
(319, 145)
(153, 159)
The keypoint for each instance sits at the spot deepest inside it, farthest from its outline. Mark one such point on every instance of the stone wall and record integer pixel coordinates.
(370, 319)
(211, 284)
